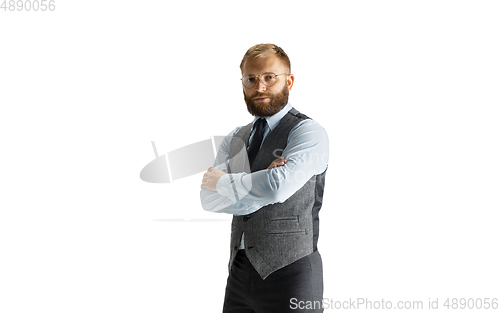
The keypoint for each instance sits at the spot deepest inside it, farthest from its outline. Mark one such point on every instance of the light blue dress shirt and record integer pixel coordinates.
(307, 154)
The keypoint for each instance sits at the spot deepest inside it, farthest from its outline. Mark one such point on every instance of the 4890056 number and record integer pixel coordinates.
(28, 5)
(471, 303)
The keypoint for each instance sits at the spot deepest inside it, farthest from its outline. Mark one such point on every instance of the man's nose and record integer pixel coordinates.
(260, 87)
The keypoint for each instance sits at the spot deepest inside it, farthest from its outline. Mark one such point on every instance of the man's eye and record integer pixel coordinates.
(250, 79)
(269, 77)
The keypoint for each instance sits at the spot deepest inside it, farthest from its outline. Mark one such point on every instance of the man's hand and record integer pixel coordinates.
(277, 163)
(211, 177)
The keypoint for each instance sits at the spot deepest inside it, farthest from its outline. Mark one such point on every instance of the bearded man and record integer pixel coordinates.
(270, 176)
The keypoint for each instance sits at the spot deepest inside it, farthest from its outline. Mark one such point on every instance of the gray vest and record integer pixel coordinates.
(281, 233)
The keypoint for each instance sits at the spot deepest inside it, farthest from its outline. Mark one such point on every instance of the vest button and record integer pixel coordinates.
(235, 248)
(246, 218)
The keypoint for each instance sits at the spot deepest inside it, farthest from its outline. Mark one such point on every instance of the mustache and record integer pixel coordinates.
(258, 95)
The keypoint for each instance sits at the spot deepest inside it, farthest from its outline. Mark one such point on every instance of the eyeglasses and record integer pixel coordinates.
(268, 79)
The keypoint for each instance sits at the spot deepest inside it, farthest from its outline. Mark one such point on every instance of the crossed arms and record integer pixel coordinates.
(305, 155)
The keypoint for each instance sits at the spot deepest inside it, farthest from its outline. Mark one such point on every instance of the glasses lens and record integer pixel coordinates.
(249, 81)
(269, 79)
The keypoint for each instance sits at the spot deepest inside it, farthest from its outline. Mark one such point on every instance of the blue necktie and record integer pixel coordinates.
(256, 140)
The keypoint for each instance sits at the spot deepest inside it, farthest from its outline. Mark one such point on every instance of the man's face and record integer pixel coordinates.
(262, 100)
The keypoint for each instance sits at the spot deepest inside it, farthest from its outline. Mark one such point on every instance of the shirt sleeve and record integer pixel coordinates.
(212, 201)
(307, 154)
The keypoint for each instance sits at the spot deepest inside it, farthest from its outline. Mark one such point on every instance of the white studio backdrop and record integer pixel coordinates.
(407, 91)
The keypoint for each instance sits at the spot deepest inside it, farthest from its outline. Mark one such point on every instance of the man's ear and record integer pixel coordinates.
(289, 81)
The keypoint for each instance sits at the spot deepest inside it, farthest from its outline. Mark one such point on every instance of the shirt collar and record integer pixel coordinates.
(273, 121)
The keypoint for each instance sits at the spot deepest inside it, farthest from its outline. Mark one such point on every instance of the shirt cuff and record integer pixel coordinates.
(225, 187)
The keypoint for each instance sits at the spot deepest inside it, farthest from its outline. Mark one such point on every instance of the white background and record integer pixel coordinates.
(408, 92)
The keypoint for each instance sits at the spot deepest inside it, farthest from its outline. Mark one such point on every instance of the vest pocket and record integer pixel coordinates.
(285, 225)
(287, 232)
(286, 218)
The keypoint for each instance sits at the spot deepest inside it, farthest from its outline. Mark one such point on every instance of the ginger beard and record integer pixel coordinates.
(262, 109)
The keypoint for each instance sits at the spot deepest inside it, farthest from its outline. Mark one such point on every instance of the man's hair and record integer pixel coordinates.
(263, 50)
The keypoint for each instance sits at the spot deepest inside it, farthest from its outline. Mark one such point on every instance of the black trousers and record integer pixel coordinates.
(297, 287)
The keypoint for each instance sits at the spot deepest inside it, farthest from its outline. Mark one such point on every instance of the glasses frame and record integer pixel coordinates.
(261, 79)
